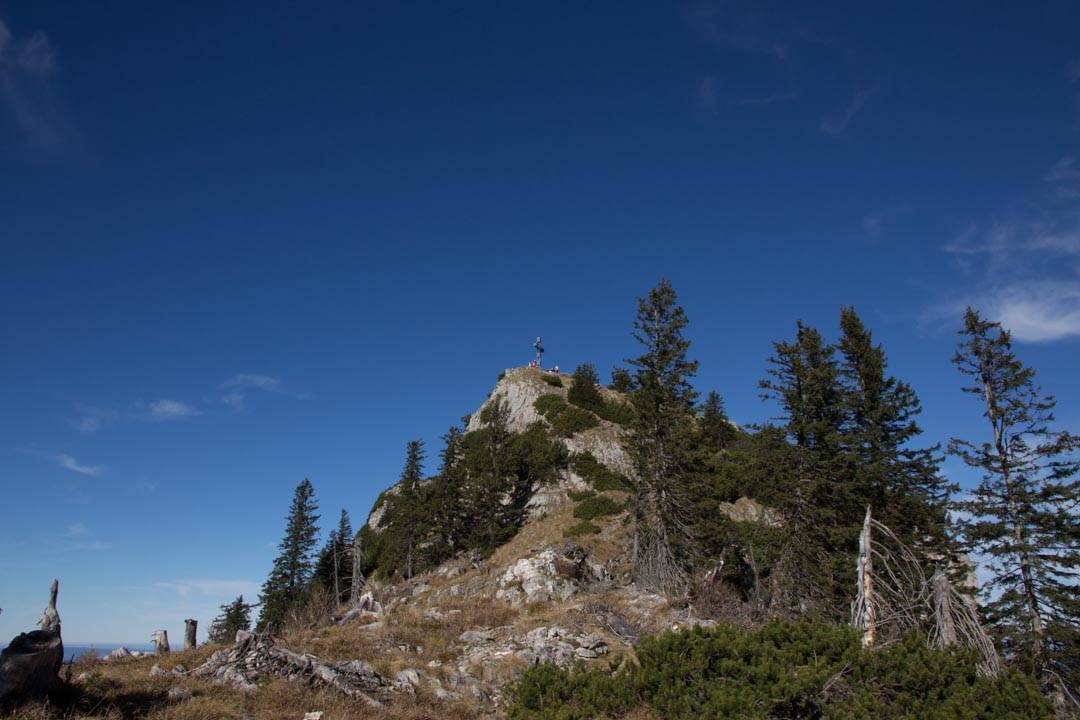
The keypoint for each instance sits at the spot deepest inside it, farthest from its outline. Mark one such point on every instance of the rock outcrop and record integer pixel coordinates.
(257, 654)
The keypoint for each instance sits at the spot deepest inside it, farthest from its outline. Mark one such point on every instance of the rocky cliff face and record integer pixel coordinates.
(520, 388)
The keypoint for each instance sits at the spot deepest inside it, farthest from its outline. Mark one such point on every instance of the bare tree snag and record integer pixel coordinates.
(30, 665)
(357, 579)
(863, 611)
(50, 619)
(161, 642)
(190, 627)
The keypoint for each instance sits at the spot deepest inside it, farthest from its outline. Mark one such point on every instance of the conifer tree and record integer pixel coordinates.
(486, 457)
(621, 380)
(804, 382)
(660, 441)
(584, 391)
(343, 556)
(717, 431)
(407, 507)
(285, 588)
(446, 528)
(823, 506)
(1022, 517)
(902, 484)
(234, 616)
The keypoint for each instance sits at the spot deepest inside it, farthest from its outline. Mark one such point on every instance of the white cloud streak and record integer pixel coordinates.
(27, 67)
(836, 125)
(1026, 271)
(212, 587)
(70, 463)
(165, 409)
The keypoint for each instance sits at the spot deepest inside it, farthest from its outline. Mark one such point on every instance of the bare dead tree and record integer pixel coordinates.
(894, 595)
(357, 579)
(50, 619)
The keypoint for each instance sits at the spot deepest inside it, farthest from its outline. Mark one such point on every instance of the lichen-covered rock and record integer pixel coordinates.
(747, 510)
(534, 579)
(120, 653)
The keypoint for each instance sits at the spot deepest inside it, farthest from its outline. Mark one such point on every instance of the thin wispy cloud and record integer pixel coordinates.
(837, 124)
(1024, 272)
(1064, 180)
(165, 409)
(874, 224)
(67, 462)
(744, 26)
(1072, 71)
(77, 530)
(241, 384)
(214, 587)
(260, 382)
(234, 400)
(707, 98)
(93, 419)
(774, 99)
(27, 94)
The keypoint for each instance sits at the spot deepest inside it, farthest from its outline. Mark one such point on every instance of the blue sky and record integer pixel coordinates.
(250, 245)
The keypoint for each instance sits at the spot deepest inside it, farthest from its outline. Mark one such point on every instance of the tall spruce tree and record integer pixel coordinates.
(234, 616)
(805, 384)
(407, 506)
(902, 484)
(716, 430)
(446, 529)
(823, 505)
(661, 441)
(486, 457)
(287, 584)
(1022, 517)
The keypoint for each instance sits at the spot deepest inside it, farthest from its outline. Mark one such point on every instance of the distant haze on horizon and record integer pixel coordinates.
(247, 245)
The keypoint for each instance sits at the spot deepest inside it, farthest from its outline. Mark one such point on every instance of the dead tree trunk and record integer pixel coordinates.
(190, 627)
(357, 579)
(864, 612)
(161, 642)
(50, 619)
(30, 665)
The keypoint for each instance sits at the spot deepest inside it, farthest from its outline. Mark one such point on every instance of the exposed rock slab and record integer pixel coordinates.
(257, 654)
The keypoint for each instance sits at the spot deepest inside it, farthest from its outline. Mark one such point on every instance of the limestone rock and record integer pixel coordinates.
(534, 579)
(747, 510)
(120, 653)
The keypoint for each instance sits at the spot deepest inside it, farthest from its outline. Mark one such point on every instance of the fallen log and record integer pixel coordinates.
(30, 665)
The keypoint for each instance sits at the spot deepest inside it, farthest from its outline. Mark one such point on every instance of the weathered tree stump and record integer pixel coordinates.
(161, 642)
(190, 627)
(30, 666)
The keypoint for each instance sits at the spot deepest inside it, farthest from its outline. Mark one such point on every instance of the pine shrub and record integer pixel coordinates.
(553, 380)
(599, 477)
(782, 671)
(597, 506)
(582, 528)
(566, 420)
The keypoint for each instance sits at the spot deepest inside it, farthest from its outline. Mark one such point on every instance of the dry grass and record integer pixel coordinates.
(125, 690)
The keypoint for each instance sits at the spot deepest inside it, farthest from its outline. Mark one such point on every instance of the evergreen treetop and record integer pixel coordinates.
(1022, 517)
